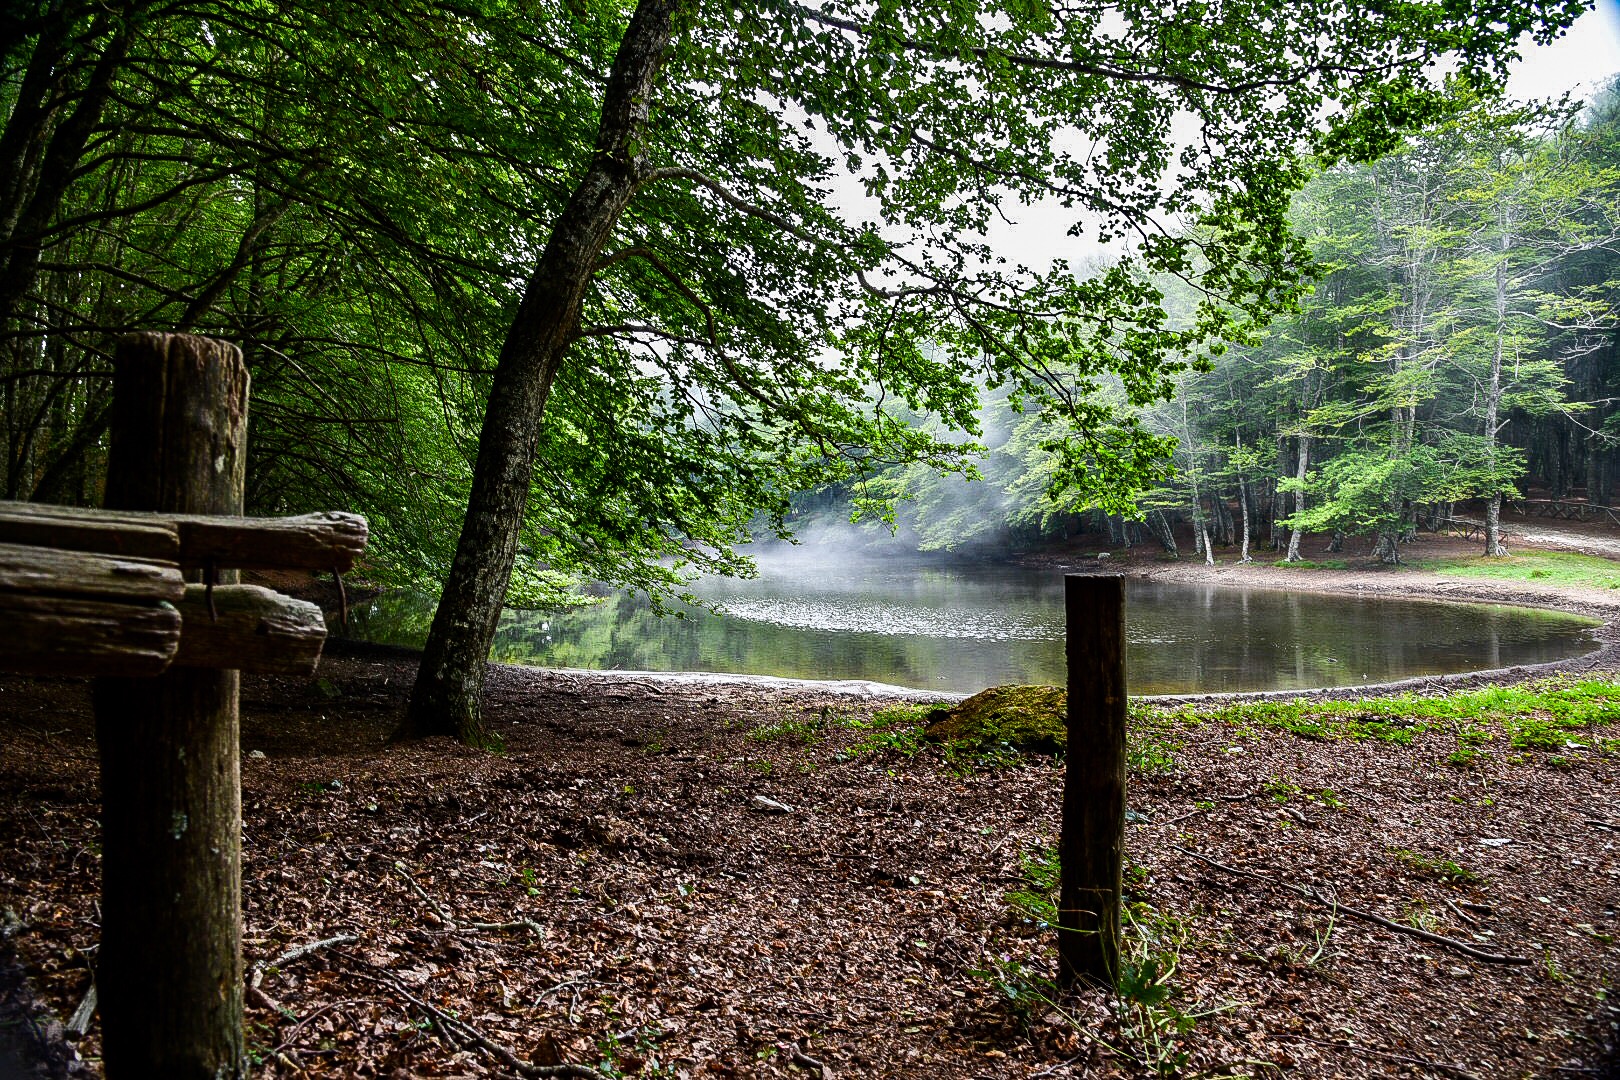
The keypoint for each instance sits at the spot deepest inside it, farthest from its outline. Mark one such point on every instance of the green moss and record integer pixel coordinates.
(1029, 719)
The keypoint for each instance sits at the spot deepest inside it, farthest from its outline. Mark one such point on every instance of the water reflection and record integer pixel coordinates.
(965, 628)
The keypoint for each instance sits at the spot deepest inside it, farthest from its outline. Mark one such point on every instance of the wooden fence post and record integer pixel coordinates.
(1092, 842)
(169, 971)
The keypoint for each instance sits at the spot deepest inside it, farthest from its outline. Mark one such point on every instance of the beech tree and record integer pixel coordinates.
(702, 237)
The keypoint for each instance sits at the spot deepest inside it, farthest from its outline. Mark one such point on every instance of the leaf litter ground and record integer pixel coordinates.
(641, 912)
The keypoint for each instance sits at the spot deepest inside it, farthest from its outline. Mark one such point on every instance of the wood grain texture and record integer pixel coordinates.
(69, 635)
(322, 541)
(169, 973)
(1091, 846)
(250, 629)
(43, 571)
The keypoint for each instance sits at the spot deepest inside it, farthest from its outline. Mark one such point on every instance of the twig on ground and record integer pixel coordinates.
(1171, 821)
(299, 953)
(438, 909)
(322, 1011)
(560, 986)
(805, 1061)
(1437, 1066)
(79, 1022)
(516, 924)
(265, 1001)
(1460, 913)
(1366, 916)
(1051, 1069)
(505, 1056)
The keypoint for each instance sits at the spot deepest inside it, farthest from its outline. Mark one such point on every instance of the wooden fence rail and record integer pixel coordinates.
(144, 595)
(1565, 510)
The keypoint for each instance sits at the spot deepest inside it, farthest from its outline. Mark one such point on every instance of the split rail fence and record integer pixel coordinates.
(144, 596)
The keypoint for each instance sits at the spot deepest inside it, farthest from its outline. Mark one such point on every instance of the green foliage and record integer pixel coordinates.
(1543, 714)
(1552, 567)
(1439, 869)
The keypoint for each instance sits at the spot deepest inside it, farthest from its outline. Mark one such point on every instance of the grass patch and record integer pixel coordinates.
(1310, 564)
(1444, 870)
(894, 727)
(1539, 715)
(1552, 567)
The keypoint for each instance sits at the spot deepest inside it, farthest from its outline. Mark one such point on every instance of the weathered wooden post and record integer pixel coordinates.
(169, 972)
(1092, 841)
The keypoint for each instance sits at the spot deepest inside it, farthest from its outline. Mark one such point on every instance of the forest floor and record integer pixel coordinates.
(611, 890)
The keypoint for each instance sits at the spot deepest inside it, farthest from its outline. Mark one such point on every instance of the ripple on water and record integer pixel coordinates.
(853, 617)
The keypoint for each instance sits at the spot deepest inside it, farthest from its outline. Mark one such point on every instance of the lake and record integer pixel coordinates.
(955, 627)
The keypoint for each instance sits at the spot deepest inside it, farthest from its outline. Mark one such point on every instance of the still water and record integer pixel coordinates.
(963, 628)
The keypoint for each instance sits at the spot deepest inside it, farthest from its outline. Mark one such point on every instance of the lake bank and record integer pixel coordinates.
(952, 628)
(1367, 579)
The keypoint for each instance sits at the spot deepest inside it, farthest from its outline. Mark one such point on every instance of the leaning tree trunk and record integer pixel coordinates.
(450, 682)
(1162, 531)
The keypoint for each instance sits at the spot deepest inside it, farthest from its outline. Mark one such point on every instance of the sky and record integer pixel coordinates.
(1581, 62)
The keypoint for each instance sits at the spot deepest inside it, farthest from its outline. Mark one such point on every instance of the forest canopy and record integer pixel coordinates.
(1458, 343)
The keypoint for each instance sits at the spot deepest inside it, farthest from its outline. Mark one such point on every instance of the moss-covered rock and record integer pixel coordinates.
(1029, 719)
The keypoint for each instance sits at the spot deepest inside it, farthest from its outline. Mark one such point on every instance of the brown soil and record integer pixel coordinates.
(680, 926)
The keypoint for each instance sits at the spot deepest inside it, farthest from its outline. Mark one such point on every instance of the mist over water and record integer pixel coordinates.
(843, 611)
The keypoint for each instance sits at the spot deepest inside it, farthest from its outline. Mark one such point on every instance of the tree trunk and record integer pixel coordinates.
(1387, 547)
(1493, 400)
(1243, 501)
(169, 971)
(1493, 526)
(449, 684)
(1297, 533)
(1160, 527)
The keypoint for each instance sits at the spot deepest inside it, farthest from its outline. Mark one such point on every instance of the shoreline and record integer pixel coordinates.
(1601, 606)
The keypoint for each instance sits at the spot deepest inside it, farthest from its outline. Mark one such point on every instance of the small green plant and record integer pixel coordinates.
(1438, 869)
(1538, 715)
(1153, 1026)
(1302, 954)
(1280, 790)
(803, 730)
(1149, 756)
(1420, 917)
(1036, 896)
(1024, 991)
(622, 1056)
(896, 728)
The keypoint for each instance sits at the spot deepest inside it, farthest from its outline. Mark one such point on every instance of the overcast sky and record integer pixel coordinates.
(1581, 62)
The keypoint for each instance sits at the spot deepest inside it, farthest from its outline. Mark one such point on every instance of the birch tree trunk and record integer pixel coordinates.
(1243, 501)
(1493, 404)
(1295, 536)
